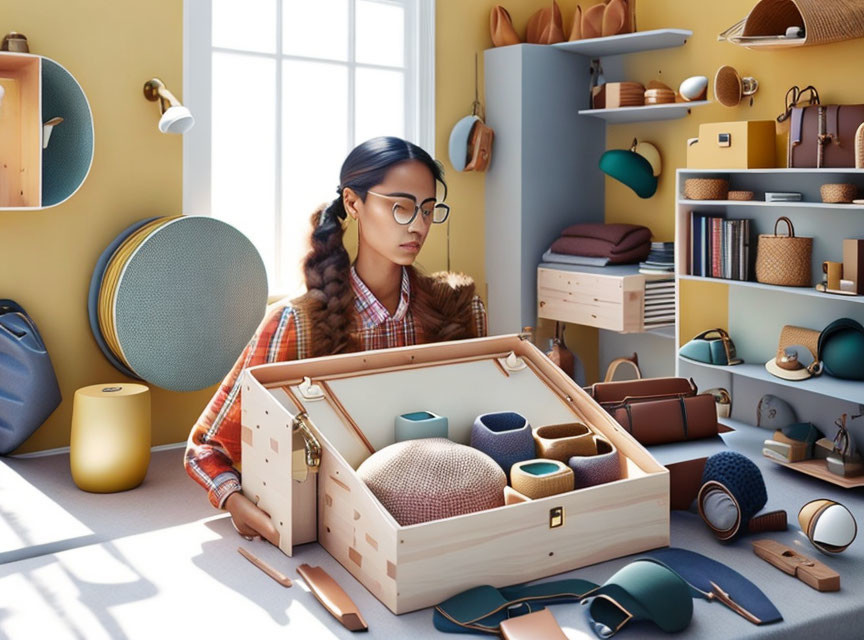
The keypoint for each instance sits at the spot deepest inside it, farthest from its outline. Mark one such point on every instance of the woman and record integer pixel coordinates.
(388, 186)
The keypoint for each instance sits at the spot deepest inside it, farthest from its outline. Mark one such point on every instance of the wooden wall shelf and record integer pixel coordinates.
(38, 89)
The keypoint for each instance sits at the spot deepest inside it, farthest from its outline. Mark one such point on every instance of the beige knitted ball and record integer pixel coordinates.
(432, 478)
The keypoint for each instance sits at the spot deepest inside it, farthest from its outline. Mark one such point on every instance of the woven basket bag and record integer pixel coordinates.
(784, 260)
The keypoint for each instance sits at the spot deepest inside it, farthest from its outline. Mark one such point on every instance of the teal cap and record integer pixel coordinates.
(630, 168)
(841, 349)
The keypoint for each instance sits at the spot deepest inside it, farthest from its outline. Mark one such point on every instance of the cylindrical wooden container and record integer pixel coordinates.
(110, 442)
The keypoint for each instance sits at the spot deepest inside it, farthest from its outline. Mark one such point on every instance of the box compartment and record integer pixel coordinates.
(417, 566)
(20, 131)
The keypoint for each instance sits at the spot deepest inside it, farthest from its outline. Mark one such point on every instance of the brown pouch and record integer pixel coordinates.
(824, 135)
(501, 28)
(668, 420)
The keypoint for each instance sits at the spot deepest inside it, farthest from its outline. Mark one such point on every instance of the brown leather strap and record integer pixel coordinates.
(791, 230)
(771, 521)
(613, 367)
(832, 129)
(820, 142)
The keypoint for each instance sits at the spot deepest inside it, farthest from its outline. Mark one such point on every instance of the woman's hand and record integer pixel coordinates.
(249, 520)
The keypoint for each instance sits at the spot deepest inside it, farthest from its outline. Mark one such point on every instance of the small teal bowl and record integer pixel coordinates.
(420, 424)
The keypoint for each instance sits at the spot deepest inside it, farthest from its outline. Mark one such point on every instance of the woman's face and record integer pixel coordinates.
(405, 185)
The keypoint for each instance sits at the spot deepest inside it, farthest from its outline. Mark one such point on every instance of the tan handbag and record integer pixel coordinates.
(546, 26)
(501, 28)
(784, 260)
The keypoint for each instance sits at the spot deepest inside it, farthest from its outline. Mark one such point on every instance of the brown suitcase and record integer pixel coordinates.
(824, 135)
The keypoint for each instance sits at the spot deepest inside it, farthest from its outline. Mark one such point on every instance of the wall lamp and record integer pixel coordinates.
(175, 117)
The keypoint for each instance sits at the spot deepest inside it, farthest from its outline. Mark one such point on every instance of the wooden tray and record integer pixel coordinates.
(817, 469)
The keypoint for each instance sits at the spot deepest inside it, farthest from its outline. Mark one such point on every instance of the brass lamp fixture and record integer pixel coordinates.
(175, 117)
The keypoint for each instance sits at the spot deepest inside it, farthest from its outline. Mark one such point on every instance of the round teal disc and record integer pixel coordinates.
(188, 301)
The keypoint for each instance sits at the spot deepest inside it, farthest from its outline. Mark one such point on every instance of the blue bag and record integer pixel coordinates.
(29, 392)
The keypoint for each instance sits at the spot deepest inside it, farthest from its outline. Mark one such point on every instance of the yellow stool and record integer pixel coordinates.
(110, 443)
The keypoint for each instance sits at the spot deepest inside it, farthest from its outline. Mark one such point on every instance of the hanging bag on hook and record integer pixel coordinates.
(470, 146)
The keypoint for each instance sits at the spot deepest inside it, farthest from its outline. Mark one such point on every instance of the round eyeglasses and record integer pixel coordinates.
(405, 208)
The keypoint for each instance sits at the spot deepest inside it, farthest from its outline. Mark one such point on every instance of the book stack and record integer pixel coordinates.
(660, 260)
(719, 248)
(659, 303)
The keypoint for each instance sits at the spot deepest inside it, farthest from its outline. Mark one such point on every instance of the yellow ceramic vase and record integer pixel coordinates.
(110, 442)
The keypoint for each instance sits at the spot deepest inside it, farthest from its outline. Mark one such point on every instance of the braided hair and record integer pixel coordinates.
(329, 302)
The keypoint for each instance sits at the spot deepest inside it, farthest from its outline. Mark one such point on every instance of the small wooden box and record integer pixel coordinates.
(21, 130)
(853, 262)
(613, 95)
(580, 296)
(412, 567)
(733, 145)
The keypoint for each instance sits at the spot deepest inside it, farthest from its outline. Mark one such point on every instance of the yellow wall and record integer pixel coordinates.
(112, 48)
(462, 29)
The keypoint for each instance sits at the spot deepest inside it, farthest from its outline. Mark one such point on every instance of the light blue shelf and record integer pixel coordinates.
(798, 291)
(824, 385)
(627, 43)
(646, 113)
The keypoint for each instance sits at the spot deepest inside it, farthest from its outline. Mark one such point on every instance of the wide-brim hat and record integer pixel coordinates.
(794, 346)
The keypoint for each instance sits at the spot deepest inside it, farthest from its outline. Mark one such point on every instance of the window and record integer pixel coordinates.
(281, 90)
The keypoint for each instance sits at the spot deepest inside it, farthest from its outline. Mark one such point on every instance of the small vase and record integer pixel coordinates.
(598, 468)
(539, 478)
(504, 436)
(562, 441)
(420, 424)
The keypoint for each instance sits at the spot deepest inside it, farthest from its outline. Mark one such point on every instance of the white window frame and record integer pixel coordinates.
(197, 92)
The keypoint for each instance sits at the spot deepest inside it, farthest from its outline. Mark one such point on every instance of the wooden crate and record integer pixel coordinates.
(614, 301)
(20, 131)
(412, 567)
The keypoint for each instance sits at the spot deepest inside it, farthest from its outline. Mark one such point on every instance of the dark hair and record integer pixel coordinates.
(330, 300)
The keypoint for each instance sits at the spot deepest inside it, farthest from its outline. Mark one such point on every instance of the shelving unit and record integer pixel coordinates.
(540, 123)
(757, 312)
(34, 176)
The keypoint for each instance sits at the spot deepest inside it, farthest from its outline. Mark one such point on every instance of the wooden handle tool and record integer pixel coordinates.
(333, 597)
(278, 576)
(809, 571)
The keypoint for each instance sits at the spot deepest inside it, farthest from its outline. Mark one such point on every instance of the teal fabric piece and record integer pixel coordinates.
(718, 353)
(631, 169)
(803, 432)
(649, 590)
(67, 159)
(539, 468)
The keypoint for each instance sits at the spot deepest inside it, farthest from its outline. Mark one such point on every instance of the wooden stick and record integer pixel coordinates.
(279, 577)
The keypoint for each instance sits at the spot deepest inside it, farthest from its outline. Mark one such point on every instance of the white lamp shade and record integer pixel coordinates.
(176, 120)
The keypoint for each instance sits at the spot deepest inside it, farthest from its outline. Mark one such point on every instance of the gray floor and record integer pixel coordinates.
(159, 560)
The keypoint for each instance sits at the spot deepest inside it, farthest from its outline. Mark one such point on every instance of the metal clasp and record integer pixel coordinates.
(313, 447)
(556, 517)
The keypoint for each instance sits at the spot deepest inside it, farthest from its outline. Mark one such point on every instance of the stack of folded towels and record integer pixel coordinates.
(600, 244)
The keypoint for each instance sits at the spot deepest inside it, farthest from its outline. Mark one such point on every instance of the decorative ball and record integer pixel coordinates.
(694, 88)
(432, 478)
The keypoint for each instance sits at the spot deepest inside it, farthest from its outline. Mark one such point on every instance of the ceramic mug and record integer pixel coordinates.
(602, 466)
(505, 436)
(561, 441)
(539, 478)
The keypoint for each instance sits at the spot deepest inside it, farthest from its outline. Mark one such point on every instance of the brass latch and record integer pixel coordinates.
(313, 447)
(556, 517)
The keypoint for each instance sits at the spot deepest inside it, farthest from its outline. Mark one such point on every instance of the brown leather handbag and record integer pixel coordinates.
(659, 410)
(824, 135)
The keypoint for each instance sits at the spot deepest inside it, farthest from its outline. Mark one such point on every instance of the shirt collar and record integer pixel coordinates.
(372, 313)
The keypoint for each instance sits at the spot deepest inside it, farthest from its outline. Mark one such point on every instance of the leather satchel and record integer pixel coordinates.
(824, 135)
(659, 410)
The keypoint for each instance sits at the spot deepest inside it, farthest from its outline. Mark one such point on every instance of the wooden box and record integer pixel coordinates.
(349, 403)
(613, 95)
(610, 298)
(733, 145)
(20, 131)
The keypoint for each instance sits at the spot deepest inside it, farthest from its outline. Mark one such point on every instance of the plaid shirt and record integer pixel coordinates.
(213, 449)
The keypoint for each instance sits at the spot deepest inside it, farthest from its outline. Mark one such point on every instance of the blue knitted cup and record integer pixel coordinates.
(504, 436)
(598, 468)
